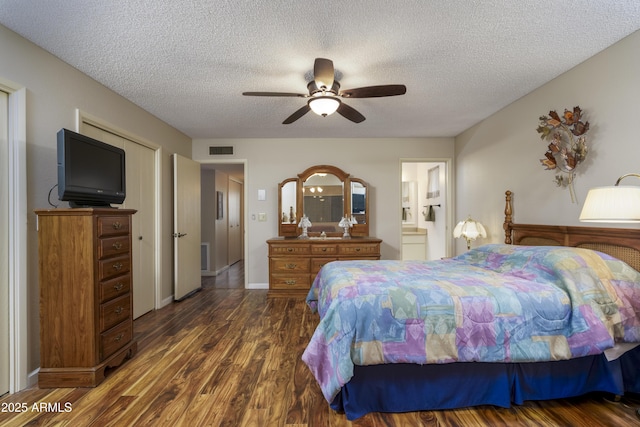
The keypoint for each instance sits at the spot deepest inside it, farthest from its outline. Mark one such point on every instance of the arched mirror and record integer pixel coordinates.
(324, 194)
(323, 201)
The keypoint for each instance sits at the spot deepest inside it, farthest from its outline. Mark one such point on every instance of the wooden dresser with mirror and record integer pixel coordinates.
(325, 194)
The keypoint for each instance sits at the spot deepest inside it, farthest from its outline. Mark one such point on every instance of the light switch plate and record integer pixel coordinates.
(262, 194)
(262, 216)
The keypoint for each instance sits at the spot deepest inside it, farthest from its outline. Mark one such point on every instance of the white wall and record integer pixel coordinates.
(270, 161)
(503, 151)
(54, 92)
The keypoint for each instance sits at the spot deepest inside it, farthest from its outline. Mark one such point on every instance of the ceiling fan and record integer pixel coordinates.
(325, 96)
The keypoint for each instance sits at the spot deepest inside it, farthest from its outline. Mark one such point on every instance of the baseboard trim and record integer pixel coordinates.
(257, 286)
(32, 378)
(165, 302)
(214, 273)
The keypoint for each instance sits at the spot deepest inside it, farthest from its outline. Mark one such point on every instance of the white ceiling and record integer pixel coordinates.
(188, 62)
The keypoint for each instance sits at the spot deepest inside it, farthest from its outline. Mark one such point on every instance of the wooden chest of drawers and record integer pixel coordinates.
(86, 304)
(294, 263)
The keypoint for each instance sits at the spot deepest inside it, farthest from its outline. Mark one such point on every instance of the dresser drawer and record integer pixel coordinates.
(290, 281)
(109, 289)
(113, 312)
(294, 265)
(115, 338)
(288, 249)
(323, 249)
(113, 246)
(113, 225)
(318, 263)
(113, 267)
(359, 249)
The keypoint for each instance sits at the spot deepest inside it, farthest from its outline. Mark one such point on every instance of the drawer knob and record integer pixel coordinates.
(290, 282)
(117, 266)
(289, 249)
(119, 337)
(292, 266)
(118, 286)
(117, 225)
(119, 309)
(117, 246)
(357, 249)
(324, 249)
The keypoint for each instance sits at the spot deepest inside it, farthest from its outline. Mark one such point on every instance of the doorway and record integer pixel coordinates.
(425, 209)
(223, 217)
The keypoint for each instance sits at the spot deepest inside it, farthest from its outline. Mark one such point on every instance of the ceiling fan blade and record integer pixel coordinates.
(374, 91)
(274, 94)
(323, 72)
(350, 113)
(295, 116)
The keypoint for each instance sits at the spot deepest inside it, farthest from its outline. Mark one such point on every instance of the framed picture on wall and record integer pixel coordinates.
(219, 205)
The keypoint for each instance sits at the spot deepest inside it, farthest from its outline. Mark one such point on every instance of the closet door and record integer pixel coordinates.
(141, 196)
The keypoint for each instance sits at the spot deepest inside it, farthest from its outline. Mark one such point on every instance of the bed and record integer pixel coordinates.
(553, 312)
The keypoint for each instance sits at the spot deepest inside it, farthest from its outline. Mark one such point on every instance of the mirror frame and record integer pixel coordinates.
(292, 230)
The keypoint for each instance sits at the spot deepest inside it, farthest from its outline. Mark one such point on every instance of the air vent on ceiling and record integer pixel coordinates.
(216, 151)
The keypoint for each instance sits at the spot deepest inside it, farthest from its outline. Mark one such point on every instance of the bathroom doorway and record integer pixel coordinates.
(425, 209)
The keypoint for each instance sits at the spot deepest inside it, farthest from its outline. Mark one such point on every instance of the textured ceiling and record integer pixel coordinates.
(188, 62)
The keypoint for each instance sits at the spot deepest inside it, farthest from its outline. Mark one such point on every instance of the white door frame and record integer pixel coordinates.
(17, 149)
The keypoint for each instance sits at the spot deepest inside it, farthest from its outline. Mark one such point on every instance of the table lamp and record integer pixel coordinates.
(470, 229)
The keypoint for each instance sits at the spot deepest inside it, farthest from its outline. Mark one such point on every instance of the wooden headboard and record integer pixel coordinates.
(622, 243)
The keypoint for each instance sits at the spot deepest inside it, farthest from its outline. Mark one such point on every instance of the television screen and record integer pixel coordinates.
(90, 172)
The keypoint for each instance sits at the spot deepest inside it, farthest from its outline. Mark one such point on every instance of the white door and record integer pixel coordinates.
(235, 222)
(140, 164)
(141, 196)
(4, 244)
(186, 226)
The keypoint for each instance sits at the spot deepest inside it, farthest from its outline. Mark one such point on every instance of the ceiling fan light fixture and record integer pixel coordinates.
(324, 105)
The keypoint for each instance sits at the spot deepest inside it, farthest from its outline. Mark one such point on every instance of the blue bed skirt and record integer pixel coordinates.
(406, 387)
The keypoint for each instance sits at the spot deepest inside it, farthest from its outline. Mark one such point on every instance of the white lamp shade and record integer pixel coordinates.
(469, 229)
(304, 222)
(324, 105)
(612, 204)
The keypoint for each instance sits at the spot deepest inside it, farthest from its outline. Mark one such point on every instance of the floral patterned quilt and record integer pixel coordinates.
(496, 303)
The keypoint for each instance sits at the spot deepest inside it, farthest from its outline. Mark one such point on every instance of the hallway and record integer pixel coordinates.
(231, 278)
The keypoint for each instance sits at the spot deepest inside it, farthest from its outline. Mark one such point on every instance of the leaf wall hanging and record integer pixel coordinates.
(567, 145)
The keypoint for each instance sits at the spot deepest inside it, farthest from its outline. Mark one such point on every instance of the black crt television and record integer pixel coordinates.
(91, 173)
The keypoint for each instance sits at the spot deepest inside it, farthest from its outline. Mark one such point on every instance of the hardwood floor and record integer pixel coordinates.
(231, 357)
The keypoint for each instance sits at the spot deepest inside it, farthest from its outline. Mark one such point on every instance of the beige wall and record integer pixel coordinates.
(270, 161)
(503, 151)
(54, 92)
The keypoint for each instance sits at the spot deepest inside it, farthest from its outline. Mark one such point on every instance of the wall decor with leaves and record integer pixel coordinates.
(567, 147)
